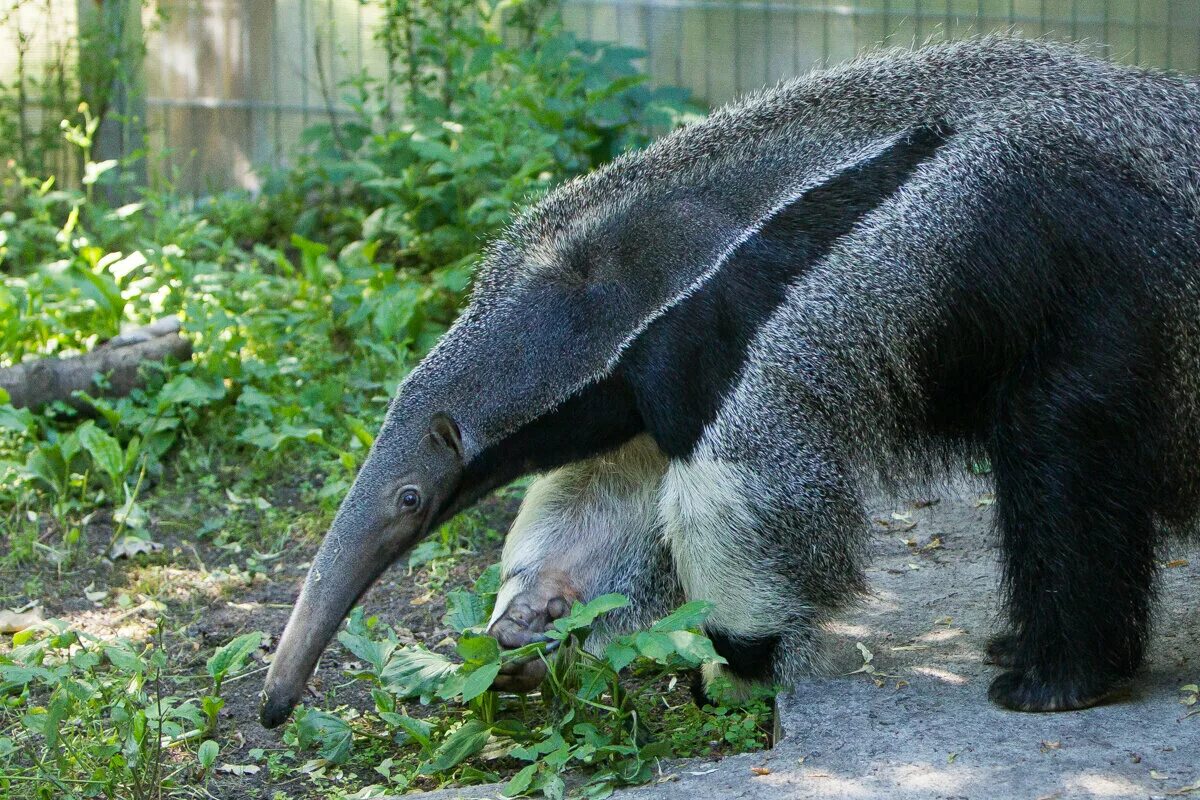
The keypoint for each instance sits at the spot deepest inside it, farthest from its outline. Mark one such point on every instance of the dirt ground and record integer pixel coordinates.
(207, 595)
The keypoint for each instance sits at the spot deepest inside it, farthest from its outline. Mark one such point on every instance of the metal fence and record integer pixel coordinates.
(231, 84)
(719, 48)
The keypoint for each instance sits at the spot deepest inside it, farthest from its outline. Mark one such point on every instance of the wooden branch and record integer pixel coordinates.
(35, 383)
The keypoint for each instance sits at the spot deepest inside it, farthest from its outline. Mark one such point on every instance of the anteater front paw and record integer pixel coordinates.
(1021, 691)
(523, 622)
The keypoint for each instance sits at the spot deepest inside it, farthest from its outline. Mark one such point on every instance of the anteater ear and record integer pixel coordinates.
(445, 432)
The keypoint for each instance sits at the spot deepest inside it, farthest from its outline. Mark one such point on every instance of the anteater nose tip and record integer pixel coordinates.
(274, 711)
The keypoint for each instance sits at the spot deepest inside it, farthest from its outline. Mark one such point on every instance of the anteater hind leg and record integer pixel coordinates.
(1076, 484)
(585, 530)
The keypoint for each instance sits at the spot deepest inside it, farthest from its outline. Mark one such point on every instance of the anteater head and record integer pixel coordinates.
(526, 379)
(478, 412)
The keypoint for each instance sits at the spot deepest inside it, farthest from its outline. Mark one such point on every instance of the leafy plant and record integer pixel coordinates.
(226, 661)
(86, 717)
(593, 717)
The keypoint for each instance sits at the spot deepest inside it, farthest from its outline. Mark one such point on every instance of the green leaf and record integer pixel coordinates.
(458, 746)
(264, 438)
(654, 646)
(655, 750)
(582, 616)
(464, 610)
(361, 432)
(229, 659)
(18, 420)
(694, 648)
(186, 390)
(519, 783)
(207, 754)
(663, 646)
(416, 672)
(106, 452)
(123, 657)
(310, 255)
(480, 649)
(427, 551)
(489, 581)
(60, 705)
(331, 734)
(417, 729)
(50, 465)
(211, 706)
(553, 788)
(537, 750)
(455, 278)
(620, 653)
(687, 616)
(376, 653)
(14, 676)
(479, 681)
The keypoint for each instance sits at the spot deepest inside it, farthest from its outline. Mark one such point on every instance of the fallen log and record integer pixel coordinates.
(35, 383)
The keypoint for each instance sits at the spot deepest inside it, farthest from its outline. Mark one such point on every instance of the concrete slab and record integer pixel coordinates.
(916, 722)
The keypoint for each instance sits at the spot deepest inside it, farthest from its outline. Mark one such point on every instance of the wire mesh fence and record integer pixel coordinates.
(232, 84)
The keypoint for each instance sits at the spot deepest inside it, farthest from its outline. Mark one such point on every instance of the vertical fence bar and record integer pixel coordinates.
(277, 156)
(825, 37)
(679, 49)
(361, 62)
(333, 54)
(647, 32)
(248, 86)
(304, 63)
(165, 115)
(767, 27)
(797, 21)
(1137, 31)
(1167, 33)
(737, 44)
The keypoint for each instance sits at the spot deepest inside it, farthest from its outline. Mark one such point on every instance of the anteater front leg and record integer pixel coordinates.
(585, 530)
(766, 524)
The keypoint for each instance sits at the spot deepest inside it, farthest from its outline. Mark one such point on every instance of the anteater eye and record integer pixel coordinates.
(410, 500)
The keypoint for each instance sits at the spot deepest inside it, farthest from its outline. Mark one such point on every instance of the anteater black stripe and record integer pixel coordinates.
(672, 379)
(684, 364)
